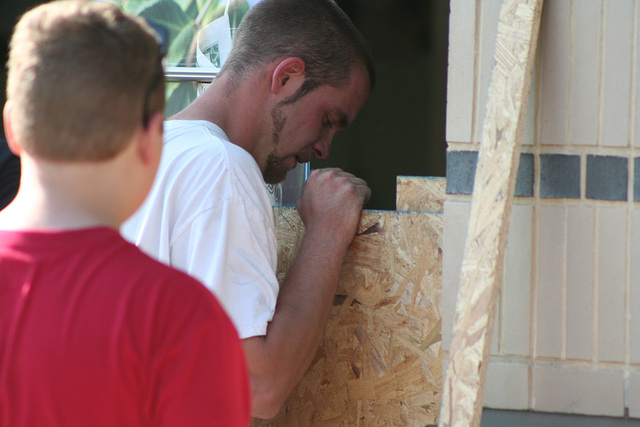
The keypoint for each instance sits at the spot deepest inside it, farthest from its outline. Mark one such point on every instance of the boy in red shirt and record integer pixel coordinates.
(93, 332)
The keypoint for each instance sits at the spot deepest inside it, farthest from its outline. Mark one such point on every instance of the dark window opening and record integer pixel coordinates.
(401, 128)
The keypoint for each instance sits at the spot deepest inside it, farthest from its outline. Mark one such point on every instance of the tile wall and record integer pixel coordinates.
(567, 333)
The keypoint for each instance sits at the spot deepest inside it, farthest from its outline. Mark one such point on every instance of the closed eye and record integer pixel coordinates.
(327, 122)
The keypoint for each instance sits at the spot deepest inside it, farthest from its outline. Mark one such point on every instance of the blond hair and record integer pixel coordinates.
(82, 77)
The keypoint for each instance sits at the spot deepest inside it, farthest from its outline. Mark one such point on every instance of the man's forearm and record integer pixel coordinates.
(278, 360)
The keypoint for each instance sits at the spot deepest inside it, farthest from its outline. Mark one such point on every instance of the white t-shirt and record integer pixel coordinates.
(209, 214)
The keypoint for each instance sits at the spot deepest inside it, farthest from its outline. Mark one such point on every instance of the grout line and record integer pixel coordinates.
(475, 137)
(633, 83)
(627, 307)
(563, 291)
(568, 133)
(502, 303)
(594, 289)
(533, 306)
(601, 79)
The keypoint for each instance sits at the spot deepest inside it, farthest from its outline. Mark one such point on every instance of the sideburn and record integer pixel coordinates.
(279, 120)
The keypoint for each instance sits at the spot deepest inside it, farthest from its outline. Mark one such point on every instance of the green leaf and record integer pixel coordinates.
(181, 96)
(237, 10)
(179, 49)
(192, 10)
(203, 3)
(184, 4)
(168, 14)
(211, 14)
(169, 87)
(136, 6)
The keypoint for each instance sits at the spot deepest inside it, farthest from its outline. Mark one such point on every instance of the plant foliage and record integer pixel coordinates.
(178, 23)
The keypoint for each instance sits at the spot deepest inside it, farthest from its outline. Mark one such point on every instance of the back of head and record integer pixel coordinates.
(317, 31)
(82, 77)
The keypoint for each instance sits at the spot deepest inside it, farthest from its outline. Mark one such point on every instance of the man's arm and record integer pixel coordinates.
(330, 208)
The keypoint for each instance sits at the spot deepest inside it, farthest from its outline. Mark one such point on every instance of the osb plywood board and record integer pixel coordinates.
(381, 360)
(493, 188)
(420, 193)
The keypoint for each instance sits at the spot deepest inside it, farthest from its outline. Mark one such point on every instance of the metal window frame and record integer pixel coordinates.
(191, 74)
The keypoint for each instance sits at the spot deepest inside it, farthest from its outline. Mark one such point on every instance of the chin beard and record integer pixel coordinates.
(275, 171)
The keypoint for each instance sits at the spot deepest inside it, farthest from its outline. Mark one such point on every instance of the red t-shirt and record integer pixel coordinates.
(93, 332)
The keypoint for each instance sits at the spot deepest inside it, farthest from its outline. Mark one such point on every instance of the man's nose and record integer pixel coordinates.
(322, 148)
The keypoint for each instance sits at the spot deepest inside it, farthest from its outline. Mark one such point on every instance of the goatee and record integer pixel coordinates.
(275, 170)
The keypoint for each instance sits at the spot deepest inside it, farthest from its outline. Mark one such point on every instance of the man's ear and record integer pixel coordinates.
(14, 146)
(288, 75)
(150, 139)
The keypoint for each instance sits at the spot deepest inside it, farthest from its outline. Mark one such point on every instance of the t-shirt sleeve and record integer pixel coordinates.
(199, 375)
(232, 250)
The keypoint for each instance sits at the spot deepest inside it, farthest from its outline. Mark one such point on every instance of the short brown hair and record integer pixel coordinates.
(82, 76)
(317, 31)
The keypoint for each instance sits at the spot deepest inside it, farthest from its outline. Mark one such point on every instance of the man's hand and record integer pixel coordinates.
(331, 201)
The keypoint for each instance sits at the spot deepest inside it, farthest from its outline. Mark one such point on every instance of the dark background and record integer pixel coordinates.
(10, 12)
(401, 128)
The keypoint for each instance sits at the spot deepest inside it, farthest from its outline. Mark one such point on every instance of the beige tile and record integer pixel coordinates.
(460, 74)
(633, 396)
(489, 11)
(579, 311)
(635, 119)
(551, 236)
(578, 390)
(618, 52)
(554, 35)
(496, 337)
(612, 232)
(529, 132)
(634, 289)
(456, 222)
(507, 385)
(585, 72)
(516, 304)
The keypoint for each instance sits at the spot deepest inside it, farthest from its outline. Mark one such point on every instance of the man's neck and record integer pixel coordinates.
(240, 112)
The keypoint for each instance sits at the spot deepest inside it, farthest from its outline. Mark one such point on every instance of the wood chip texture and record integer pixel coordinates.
(380, 363)
(420, 194)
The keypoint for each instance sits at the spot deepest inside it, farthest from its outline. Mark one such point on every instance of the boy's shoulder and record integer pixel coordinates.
(104, 253)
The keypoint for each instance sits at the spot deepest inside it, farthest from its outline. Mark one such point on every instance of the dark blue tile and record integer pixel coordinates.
(607, 178)
(636, 179)
(524, 183)
(461, 171)
(559, 176)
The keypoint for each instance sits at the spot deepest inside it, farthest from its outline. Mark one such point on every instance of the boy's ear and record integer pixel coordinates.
(14, 146)
(288, 75)
(150, 141)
